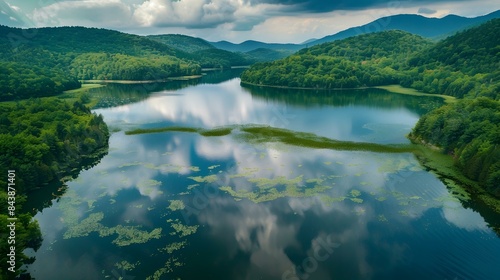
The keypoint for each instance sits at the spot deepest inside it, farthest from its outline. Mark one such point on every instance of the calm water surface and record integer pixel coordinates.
(180, 205)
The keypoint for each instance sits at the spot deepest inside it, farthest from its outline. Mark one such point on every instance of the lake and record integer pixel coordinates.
(180, 205)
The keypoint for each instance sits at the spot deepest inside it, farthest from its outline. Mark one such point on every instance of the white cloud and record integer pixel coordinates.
(105, 13)
(240, 15)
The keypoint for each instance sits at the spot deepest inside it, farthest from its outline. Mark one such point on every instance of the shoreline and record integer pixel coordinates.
(180, 78)
(390, 88)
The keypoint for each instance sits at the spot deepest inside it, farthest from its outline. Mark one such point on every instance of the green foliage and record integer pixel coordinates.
(42, 139)
(365, 60)
(182, 42)
(216, 58)
(28, 235)
(463, 65)
(263, 54)
(105, 66)
(470, 131)
(52, 60)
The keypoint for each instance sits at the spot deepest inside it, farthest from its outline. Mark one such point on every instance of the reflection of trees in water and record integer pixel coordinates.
(121, 94)
(367, 97)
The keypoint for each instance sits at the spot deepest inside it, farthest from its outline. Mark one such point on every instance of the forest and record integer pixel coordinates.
(41, 62)
(44, 140)
(465, 65)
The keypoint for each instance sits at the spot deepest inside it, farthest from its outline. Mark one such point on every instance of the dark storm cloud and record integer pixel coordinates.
(426, 11)
(320, 6)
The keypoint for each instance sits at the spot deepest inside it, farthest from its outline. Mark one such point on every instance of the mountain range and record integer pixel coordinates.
(432, 28)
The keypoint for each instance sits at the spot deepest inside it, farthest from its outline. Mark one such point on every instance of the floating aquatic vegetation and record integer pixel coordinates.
(85, 226)
(381, 198)
(359, 211)
(267, 190)
(204, 179)
(247, 172)
(170, 248)
(125, 265)
(148, 187)
(404, 213)
(262, 134)
(456, 190)
(281, 180)
(182, 230)
(127, 235)
(213, 167)
(330, 200)
(327, 162)
(90, 203)
(357, 200)
(355, 193)
(176, 205)
(189, 187)
(167, 268)
(69, 205)
(382, 218)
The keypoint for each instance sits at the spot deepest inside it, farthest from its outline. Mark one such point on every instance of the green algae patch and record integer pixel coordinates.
(264, 134)
(382, 218)
(125, 265)
(267, 190)
(176, 205)
(170, 248)
(265, 183)
(126, 235)
(182, 230)
(204, 179)
(85, 226)
(221, 131)
(161, 129)
(330, 200)
(355, 193)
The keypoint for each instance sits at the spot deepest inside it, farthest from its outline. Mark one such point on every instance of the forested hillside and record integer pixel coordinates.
(466, 65)
(470, 131)
(365, 60)
(46, 61)
(42, 140)
(182, 42)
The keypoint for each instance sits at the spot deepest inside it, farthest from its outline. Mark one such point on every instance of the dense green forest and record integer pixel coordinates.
(465, 65)
(44, 140)
(365, 60)
(470, 131)
(45, 61)
(182, 42)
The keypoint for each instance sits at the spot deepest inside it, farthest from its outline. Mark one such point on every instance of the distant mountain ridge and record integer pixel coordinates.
(432, 28)
(182, 42)
(251, 45)
(415, 24)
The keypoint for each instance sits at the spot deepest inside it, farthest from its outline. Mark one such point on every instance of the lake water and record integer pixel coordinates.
(180, 205)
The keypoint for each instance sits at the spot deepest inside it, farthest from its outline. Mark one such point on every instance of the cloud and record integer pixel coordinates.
(237, 14)
(426, 11)
(105, 13)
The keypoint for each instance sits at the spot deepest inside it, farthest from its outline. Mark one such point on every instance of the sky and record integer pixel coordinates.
(279, 21)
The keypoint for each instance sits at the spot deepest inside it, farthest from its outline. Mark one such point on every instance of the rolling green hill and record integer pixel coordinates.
(365, 60)
(182, 42)
(263, 55)
(45, 61)
(465, 65)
